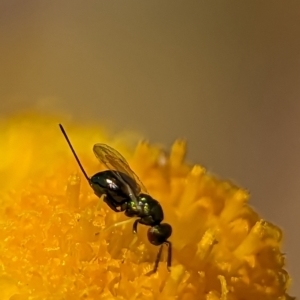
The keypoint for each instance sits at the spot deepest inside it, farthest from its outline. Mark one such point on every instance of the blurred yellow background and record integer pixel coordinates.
(225, 75)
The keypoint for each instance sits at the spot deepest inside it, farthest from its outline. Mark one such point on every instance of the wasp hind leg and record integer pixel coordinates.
(158, 257)
(156, 263)
(169, 259)
(117, 225)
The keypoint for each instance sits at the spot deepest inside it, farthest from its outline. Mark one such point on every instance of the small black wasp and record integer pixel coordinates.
(124, 192)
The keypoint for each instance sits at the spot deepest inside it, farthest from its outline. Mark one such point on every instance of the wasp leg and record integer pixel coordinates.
(117, 224)
(100, 200)
(169, 259)
(135, 238)
(156, 263)
(157, 259)
(113, 226)
(145, 221)
(134, 227)
(134, 230)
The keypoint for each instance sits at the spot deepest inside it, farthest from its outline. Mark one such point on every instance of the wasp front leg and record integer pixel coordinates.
(135, 224)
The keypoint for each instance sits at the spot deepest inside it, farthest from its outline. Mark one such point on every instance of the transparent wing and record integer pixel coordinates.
(114, 161)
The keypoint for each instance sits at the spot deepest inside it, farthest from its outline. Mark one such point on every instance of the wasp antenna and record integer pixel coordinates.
(73, 151)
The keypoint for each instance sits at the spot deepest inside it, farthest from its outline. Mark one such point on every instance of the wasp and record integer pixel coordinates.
(123, 191)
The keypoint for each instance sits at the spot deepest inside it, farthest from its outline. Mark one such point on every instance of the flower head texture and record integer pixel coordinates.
(60, 241)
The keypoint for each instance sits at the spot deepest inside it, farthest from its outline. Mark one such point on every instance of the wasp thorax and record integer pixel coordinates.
(159, 234)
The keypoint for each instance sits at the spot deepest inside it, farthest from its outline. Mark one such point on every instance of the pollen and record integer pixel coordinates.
(60, 241)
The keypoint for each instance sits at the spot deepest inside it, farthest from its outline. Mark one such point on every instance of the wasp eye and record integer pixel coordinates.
(159, 234)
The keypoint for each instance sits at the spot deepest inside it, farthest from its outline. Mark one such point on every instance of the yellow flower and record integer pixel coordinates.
(53, 239)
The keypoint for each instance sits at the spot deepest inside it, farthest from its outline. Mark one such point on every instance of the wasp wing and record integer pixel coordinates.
(115, 162)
